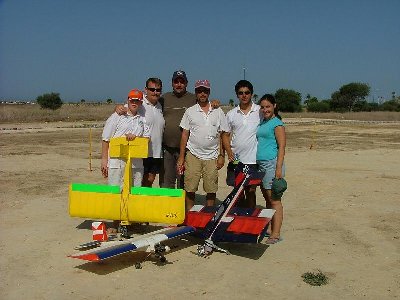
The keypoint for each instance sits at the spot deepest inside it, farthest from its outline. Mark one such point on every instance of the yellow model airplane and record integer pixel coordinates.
(133, 204)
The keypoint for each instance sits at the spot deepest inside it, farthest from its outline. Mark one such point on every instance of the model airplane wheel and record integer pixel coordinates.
(163, 259)
(138, 265)
(124, 232)
(201, 250)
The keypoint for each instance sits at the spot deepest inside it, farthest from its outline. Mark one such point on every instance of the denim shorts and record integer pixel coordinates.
(269, 167)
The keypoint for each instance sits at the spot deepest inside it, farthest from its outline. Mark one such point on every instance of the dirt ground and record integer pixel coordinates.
(342, 217)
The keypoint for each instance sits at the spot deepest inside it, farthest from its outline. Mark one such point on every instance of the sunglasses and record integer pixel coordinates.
(154, 90)
(244, 93)
(137, 101)
(205, 91)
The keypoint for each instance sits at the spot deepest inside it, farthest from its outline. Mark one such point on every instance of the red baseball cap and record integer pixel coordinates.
(135, 94)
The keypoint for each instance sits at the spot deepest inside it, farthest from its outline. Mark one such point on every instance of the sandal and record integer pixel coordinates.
(272, 241)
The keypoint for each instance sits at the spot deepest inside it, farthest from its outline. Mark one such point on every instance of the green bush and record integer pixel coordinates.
(49, 101)
(392, 105)
(318, 107)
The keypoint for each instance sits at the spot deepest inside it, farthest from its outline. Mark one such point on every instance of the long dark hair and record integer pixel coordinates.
(270, 98)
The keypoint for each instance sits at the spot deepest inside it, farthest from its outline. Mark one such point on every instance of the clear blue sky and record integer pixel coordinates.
(98, 49)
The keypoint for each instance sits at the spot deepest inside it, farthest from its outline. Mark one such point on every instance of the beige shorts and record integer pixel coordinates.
(195, 169)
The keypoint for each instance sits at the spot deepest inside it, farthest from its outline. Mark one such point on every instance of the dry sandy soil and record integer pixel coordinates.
(342, 217)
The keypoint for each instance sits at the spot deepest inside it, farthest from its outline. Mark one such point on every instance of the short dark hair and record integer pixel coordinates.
(155, 80)
(243, 83)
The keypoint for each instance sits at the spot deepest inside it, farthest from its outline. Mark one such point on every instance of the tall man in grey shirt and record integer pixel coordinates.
(174, 106)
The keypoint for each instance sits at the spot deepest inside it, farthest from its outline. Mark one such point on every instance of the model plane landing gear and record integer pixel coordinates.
(138, 265)
(208, 247)
(123, 229)
(159, 251)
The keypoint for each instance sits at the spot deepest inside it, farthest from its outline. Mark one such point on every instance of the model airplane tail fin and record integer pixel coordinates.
(244, 176)
(99, 231)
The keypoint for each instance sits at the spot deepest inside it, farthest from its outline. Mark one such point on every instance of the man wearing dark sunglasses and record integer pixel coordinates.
(152, 111)
(243, 121)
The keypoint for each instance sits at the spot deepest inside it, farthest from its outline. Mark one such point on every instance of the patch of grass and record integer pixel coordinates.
(315, 279)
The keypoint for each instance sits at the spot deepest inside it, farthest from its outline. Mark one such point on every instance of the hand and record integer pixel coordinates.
(179, 164)
(130, 136)
(278, 173)
(231, 155)
(215, 103)
(104, 168)
(121, 110)
(220, 162)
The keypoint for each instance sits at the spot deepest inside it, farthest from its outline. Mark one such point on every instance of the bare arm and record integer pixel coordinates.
(121, 109)
(104, 158)
(226, 143)
(221, 155)
(182, 148)
(280, 136)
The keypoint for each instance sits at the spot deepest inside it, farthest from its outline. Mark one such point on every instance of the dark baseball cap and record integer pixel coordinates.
(178, 74)
(279, 185)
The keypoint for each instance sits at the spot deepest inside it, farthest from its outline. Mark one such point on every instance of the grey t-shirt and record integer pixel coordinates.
(174, 108)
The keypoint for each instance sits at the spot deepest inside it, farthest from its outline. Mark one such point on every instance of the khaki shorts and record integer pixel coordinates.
(195, 169)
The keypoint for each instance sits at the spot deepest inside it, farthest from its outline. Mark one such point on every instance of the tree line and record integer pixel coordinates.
(350, 97)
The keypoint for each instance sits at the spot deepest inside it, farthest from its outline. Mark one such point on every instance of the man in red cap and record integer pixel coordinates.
(130, 125)
(203, 128)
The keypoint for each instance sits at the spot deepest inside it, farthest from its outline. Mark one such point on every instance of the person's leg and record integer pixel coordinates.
(137, 176)
(193, 175)
(189, 200)
(268, 205)
(169, 171)
(180, 179)
(115, 177)
(149, 175)
(148, 179)
(269, 168)
(210, 199)
(210, 180)
(277, 219)
(250, 194)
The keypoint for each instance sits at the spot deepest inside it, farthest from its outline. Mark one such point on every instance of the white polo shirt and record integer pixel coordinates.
(243, 129)
(205, 129)
(155, 121)
(117, 126)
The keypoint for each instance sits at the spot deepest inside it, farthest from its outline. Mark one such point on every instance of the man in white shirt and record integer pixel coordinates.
(202, 127)
(130, 125)
(243, 121)
(153, 114)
